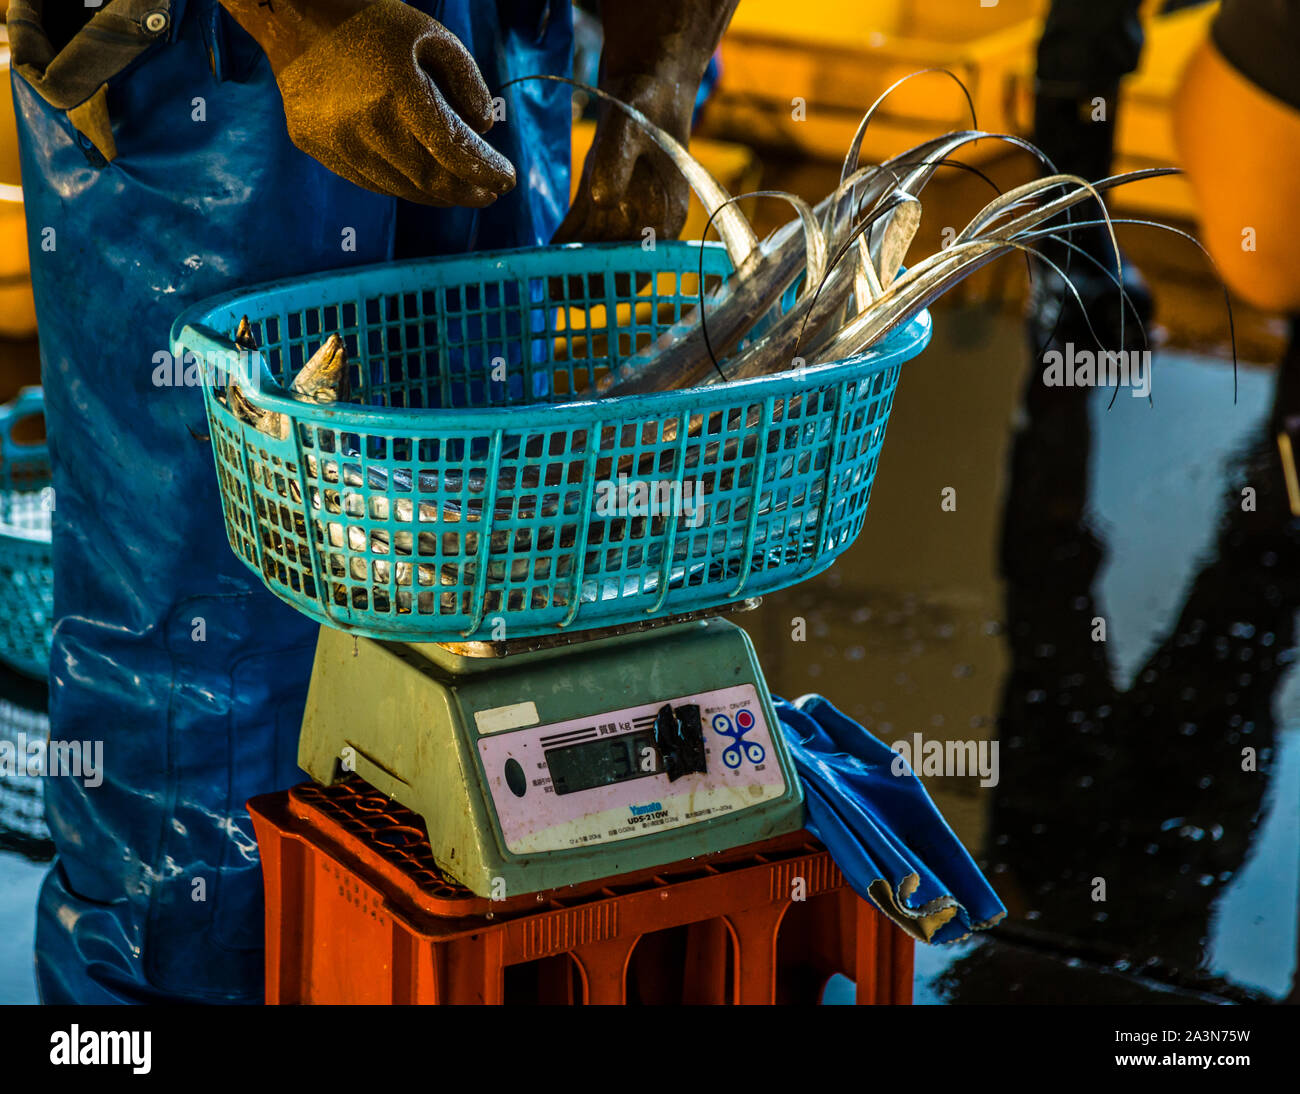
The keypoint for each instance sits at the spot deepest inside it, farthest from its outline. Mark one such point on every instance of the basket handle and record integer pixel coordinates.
(28, 403)
(248, 369)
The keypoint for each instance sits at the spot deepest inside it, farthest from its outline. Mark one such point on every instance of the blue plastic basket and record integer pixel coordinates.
(469, 490)
(26, 570)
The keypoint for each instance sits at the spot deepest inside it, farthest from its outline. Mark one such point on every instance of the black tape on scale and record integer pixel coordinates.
(679, 737)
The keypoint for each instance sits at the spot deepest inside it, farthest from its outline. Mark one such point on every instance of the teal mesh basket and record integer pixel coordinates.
(470, 490)
(26, 570)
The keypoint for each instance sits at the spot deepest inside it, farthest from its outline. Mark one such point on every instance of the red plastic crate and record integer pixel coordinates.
(357, 912)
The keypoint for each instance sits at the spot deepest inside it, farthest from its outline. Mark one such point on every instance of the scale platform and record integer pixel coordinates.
(545, 763)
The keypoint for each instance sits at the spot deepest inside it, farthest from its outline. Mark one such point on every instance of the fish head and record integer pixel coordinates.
(324, 378)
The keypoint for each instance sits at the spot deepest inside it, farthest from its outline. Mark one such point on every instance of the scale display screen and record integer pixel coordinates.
(603, 762)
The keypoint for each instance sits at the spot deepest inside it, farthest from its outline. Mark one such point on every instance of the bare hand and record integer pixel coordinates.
(628, 183)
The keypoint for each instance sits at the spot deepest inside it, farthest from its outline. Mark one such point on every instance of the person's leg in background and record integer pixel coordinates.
(1085, 49)
(176, 182)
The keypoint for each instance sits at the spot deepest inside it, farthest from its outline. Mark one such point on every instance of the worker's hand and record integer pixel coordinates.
(628, 183)
(653, 58)
(386, 97)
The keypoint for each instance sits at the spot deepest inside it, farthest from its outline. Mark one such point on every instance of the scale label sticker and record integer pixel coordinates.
(601, 778)
(499, 719)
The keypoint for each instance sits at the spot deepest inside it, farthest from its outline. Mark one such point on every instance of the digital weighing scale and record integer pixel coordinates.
(540, 763)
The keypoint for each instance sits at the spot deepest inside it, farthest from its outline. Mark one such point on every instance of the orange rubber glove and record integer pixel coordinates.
(382, 95)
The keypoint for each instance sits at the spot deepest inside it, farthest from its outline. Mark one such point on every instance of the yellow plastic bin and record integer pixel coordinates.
(1146, 135)
(797, 78)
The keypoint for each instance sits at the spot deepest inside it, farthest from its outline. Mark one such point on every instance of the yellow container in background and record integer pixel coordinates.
(796, 79)
(1146, 133)
(8, 123)
(17, 309)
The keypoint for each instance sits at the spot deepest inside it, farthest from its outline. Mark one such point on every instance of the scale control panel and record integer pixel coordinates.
(626, 773)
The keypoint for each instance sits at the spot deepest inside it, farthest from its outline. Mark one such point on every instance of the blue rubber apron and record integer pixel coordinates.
(166, 648)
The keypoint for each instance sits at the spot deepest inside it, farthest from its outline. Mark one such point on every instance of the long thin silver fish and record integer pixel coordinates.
(869, 283)
(936, 274)
(782, 346)
(681, 356)
(777, 349)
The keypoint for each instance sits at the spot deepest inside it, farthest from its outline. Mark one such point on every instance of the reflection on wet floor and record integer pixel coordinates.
(22, 807)
(25, 846)
(1144, 830)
